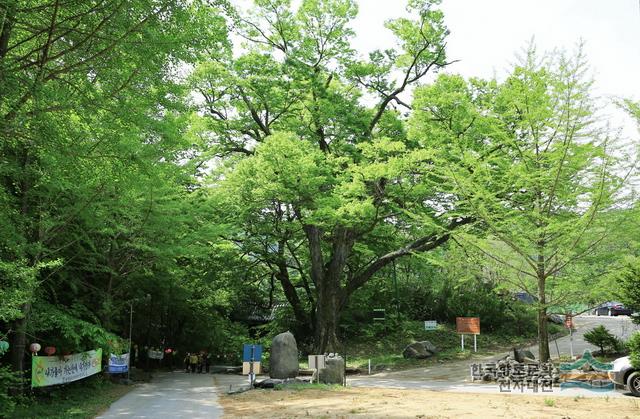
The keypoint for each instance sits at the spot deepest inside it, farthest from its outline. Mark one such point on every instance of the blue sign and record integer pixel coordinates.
(251, 352)
(118, 364)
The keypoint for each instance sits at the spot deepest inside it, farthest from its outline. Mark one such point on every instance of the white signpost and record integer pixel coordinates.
(430, 325)
(468, 325)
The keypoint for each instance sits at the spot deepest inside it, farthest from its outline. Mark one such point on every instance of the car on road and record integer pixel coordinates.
(623, 374)
(612, 308)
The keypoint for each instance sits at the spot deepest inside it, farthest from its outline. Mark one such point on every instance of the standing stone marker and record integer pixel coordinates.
(283, 362)
(333, 371)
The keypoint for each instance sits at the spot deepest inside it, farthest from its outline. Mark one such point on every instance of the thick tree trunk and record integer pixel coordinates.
(19, 344)
(543, 336)
(332, 294)
(328, 308)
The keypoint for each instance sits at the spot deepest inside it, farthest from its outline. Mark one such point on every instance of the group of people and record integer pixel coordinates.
(197, 362)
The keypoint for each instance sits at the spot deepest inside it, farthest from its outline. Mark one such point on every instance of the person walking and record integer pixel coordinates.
(187, 361)
(200, 363)
(193, 361)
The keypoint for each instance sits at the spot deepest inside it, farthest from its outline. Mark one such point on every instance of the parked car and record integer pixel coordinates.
(612, 308)
(525, 297)
(621, 310)
(623, 374)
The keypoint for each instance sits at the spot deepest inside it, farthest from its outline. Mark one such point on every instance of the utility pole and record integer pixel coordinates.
(130, 329)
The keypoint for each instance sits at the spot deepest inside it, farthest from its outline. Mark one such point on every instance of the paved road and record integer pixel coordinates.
(455, 376)
(169, 395)
(620, 326)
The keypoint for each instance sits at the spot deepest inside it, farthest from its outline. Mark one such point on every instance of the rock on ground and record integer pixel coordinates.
(420, 350)
(283, 361)
(523, 355)
(333, 371)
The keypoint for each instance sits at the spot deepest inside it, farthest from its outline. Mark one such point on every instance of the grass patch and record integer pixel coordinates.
(385, 350)
(315, 386)
(549, 402)
(83, 399)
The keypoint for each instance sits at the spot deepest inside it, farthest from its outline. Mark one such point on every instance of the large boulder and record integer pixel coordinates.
(283, 361)
(523, 355)
(420, 350)
(333, 371)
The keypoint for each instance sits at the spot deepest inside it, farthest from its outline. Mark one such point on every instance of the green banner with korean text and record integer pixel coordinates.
(53, 370)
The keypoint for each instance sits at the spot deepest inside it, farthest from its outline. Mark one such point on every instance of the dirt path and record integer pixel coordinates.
(371, 403)
(169, 395)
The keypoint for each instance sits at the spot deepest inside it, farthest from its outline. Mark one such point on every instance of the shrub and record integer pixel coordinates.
(602, 338)
(634, 348)
(8, 380)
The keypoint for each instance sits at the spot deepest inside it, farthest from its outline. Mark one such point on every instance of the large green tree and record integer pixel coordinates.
(532, 162)
(324, 187)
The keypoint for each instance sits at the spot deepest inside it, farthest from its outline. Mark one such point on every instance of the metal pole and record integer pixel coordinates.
(475, 344)
(130, 329)
(462, 336)
(571, 340)
(251, 375)
(395, 285)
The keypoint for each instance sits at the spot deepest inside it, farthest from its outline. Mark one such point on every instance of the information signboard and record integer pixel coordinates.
(430, 325)
(118, 364)
(155, 354)
(379, 314)
(52, 370)
(251, 352)
(469, 325)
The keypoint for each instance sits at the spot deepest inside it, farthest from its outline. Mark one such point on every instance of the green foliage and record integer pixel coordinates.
(629, 282)
(83, 399)
(383, 343)
(602, 338)
(17, 284)
(8, 380)
(633, 344)
(63, 328)
(98, 199)
(452, 282)
(528, 159)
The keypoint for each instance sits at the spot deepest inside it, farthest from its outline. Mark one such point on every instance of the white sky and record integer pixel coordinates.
(486, 35)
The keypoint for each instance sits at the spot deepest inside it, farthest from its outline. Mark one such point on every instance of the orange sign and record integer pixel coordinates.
(469, 325)
(568, 321)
